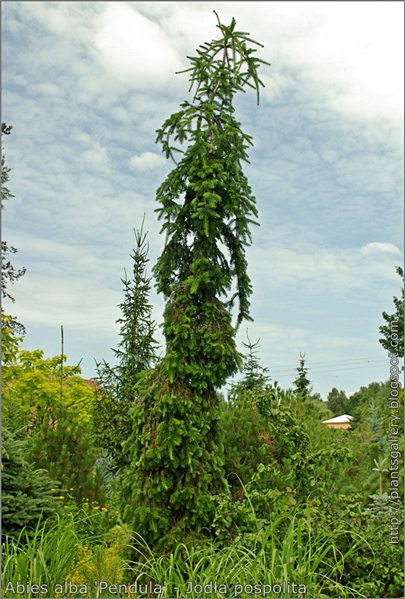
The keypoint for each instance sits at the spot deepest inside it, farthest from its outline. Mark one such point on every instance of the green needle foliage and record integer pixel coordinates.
(302, 384)
(255, 374)
(206, 201)
(26, 491)
(136, 352)
(206, 207)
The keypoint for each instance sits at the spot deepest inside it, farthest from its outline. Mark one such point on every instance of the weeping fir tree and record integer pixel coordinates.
(206, 207)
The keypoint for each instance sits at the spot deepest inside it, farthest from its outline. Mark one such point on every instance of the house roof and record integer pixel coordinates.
(338, 419)
(94, 386)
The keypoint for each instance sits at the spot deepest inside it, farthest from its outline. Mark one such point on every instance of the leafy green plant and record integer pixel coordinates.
(393, 332)
(337, 402)
(246, 441)
(65, 559)
(287, 550)
(10, 342)
(64, 448)
(39, 388)
(379, 467)
(9, 274)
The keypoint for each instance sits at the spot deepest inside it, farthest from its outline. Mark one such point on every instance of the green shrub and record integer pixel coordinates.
(64, 447)
(26, 491)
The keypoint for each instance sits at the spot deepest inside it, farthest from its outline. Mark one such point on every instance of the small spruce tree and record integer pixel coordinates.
(255, 375)
(26, 491)
(302, 384)
(207, 207)
(247, 442)
(136, 352)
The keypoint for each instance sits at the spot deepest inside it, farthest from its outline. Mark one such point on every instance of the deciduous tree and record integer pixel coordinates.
(9, 274)
(337, 402)
(38, 388)
(393, 331)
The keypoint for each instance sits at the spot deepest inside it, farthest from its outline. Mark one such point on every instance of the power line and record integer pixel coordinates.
(331, 362)
(291, 373)
(345, 360)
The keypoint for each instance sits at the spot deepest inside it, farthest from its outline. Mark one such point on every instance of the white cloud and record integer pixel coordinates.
(47, 88)
(135, 49)
(96, 157)
(320, 270)
(70, 300)
(376, 247)
(147, 161)
(86, 85)
(350, 52)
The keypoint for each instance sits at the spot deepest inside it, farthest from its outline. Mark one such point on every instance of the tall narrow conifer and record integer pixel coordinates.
(206, 207)
(136, 352)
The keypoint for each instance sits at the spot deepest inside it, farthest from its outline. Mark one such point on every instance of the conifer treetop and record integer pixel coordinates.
(220, 69)
(206, 203)
(225, 74)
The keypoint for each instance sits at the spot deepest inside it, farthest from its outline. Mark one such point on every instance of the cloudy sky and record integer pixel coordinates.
(85, 86)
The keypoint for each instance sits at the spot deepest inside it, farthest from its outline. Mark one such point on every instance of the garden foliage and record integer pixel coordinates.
(136, 353)
(206, 207)
(26, 491)
(155, 477)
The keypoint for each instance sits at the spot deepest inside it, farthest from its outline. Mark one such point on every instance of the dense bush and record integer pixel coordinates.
(27, 492)
(64, 448)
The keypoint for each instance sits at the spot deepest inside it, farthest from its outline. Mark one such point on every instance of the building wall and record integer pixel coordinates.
(343, 425)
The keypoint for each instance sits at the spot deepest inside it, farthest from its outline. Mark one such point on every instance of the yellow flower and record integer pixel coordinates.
(61, 497)
(104, 509)
(53, 489)
(96, 507)
(71, 488)
(66, 507)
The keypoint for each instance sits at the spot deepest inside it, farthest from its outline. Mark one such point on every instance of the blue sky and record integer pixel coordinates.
(85, 86)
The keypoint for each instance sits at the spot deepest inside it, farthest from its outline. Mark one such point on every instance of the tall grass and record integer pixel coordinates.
(286, 550)
(253, 565)
(41, 557)
(46, 556)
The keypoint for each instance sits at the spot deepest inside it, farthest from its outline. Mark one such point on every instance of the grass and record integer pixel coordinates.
(252, 565)
(284, 552)
(41, 557)
(45, 557)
